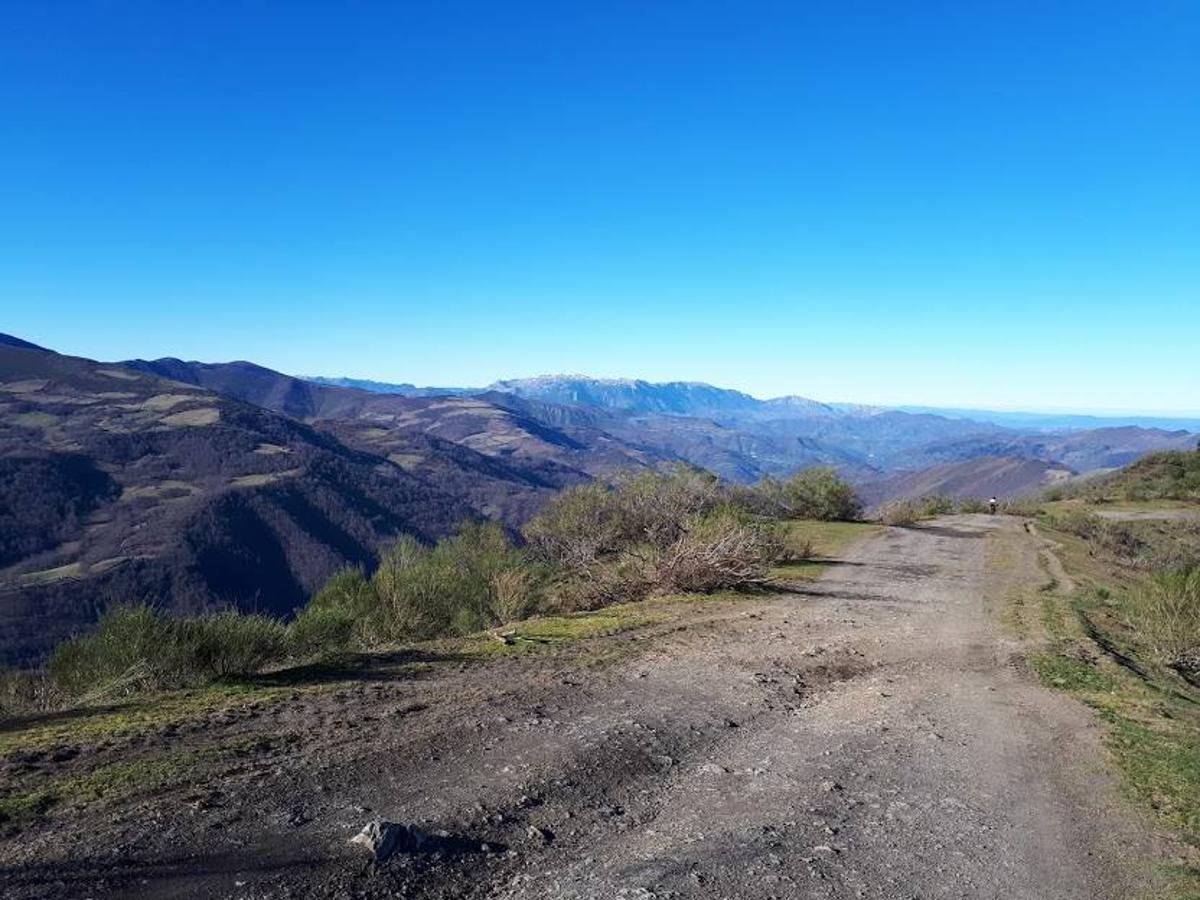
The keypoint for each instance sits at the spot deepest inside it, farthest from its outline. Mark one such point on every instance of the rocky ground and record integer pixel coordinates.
(871, 734)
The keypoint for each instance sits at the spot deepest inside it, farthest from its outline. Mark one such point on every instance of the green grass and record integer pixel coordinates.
(548, 631)
(1071, 674)
(828, 541)
(133, 717)
(113, 782)
(1152, 717)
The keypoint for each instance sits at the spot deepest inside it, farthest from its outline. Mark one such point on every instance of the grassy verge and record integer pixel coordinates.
(828, 541)
(1090, 651)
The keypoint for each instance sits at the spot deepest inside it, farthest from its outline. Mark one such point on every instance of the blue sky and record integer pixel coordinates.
(984, 204)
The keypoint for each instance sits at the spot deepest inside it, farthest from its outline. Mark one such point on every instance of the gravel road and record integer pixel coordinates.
(872, 734)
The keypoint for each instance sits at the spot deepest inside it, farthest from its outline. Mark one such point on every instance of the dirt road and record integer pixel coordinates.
(872, 734)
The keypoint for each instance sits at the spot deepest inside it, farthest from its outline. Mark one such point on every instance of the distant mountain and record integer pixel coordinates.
(493, 424)
(384, 387)
(196, 485)
(743, 438)
(1061, 421)
(117, 485)
(7, 340)
(982, 477)
(681, 398)
(1083, 451)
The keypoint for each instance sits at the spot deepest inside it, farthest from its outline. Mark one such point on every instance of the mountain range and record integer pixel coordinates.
(202, 485)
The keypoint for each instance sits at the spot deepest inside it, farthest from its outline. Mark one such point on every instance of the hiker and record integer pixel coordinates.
(992, 504)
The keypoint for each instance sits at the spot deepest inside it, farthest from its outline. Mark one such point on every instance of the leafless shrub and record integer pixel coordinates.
(513, 594)
(718, 552)
(900, 513)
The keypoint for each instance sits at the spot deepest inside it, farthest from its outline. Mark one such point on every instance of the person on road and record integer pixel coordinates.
(992, 504)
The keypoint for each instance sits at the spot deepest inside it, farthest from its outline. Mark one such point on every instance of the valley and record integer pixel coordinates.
(200, 486)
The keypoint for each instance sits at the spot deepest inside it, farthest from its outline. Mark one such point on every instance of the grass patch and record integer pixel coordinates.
(133, 717)
(1094, 650)
(109, 783)
(827, 540)
(1071, 674)
(540, 633)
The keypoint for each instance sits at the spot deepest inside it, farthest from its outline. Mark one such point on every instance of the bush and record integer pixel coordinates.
(818, 493)
(226, 645)
(321, 631)
(655, 505)
(582, 525)
(138, 648)
(129, 651)
(763, 499)
(900, 513)
(1168, 619)
(513, 594)
(717, 552)
(576, 527)
(1170, 475)
(1117, 539)
(1028, 509)
(972, 505)
(936, 505)
(466, 583)
(24, 693)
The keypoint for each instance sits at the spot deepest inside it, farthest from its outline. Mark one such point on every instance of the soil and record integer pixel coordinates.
(871, 734)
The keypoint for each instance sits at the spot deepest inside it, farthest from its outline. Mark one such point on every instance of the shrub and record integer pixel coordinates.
(513, 594)
(138, 648)
(323, 631)
(576, 527)
(1078, 522)
(583, 525)
(972, 505)
(227, 645)
(23, 693)
(129, 651)
(1117, 539)
(762, 499)
(1170, 475)
(936, 505)
(817, 493)
(901, 513)
(654, 506)
(1168, 619)
(716, 552)
(1025, 508)
(465, 583)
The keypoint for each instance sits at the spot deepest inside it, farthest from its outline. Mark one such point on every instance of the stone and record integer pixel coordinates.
(381, 839)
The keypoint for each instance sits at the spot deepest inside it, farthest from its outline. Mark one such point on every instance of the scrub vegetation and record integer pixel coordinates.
(1126, 641)
(591, 547)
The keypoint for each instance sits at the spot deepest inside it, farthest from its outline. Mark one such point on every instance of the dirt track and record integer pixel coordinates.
(873, 734)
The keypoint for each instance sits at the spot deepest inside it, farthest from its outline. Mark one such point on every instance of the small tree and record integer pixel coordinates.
(819, 493)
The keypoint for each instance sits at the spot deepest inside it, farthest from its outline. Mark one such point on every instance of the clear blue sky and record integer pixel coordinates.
(986, 204)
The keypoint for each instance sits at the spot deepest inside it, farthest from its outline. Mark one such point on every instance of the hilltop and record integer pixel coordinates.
(1172, 475)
